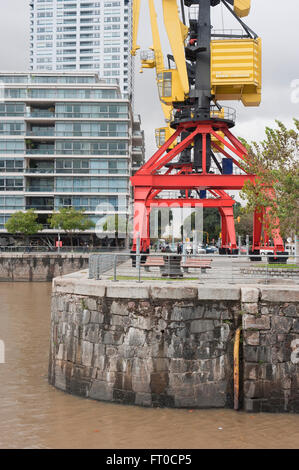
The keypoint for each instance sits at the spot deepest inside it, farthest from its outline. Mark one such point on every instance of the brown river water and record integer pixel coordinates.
(33, 414)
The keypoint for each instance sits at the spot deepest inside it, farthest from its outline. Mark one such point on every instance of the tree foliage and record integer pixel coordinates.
(117, 223)
(211, 225)
(24, 223)
(275, 161)
(70, 220)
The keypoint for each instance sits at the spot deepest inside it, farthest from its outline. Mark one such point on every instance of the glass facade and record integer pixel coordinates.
(63, 146)
(80, 35)
(92, 110)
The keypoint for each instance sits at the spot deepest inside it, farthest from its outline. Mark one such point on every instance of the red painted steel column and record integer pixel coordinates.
(140, 215)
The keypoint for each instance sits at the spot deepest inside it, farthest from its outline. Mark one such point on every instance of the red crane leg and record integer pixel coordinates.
(228, 223)
(223, 229)
(149, 181)
(141, 218)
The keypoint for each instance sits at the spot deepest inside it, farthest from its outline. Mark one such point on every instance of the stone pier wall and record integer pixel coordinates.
(271, 350)
(172, 345)
(36, 267)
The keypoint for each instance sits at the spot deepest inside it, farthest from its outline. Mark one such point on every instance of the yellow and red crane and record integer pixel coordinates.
(204, 66)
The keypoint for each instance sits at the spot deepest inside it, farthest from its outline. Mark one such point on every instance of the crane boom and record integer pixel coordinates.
(177, 33)
(136, 14)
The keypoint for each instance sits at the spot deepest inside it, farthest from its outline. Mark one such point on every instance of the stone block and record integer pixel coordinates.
(209, 292)
(141, 384)
(252, 338)
(258, 388)
(60, 378)
(127, 291)
(178, 366)
(253, 405)
(135, 337)
(60, 352)
(99, 356)
(210, 395)
(86, 317)
(63, 285)
(274, 294)
(281, 353)
(185, 313)
(144, 323)
(251, 308)
(89, 287)
(249, 294)
(87, 353)
(119, 308)
(91, 332)
(173, 292)
(282, 324)
(291, 311)
(258, 323)
(296, 326)
(101, 390)
(184, 402)
(200, 326)
(119, 320)
(143, 399)
(250, 371)
(96, 317)
(91, 304)
(113, 337)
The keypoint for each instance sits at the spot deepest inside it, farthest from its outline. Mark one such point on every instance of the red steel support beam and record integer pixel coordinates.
(190, 202)
(191, 181)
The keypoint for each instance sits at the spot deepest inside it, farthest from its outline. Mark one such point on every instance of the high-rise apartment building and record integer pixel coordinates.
(66, 140)
(83, 35)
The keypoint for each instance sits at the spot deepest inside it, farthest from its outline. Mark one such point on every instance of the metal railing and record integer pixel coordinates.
(64, 249)
(205, 268)
(100, 264)
(226, 113)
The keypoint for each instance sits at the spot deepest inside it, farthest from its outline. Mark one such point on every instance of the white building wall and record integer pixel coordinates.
(82, 35)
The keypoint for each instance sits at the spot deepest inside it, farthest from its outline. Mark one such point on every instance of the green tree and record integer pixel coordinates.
(275, 162)
(244, 224)
(24, 223)
(116, 223)
(70, 220)
(211, 224)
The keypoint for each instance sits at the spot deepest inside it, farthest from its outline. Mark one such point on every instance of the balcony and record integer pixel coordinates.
(39, 207)
(46, 131)
(41, 112)
(40, 185)
(40, 170)
(137, 149)
(40, 189)
(40, 151)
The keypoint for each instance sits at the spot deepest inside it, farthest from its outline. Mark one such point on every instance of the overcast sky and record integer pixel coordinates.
(275, 21)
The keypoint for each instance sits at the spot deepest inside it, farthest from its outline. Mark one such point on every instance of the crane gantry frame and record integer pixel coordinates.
(201, 70)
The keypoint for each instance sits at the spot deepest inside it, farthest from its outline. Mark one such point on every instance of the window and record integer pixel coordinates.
(12, 146)
(12, 165)
(12, 128)
(104, 147)
(11, 184)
